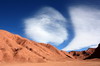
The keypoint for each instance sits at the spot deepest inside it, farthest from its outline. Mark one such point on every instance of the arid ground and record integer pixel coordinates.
(67, 63)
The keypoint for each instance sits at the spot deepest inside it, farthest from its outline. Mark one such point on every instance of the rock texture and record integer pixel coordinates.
(90, 54)
(16, 48)
(95, 54)
(82, 54)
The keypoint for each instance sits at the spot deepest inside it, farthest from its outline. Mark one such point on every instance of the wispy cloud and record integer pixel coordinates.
(48, 25)
(86, 22)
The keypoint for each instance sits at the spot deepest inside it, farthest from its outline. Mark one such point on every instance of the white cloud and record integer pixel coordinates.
(86, 22)
(48, 25)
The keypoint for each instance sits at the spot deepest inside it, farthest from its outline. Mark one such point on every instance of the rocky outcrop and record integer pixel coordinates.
(95, 54)
(82, 54)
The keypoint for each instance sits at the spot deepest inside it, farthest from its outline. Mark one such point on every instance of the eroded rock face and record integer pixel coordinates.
(90, 54)
(82, 54)
(95, 54)
(15, 48)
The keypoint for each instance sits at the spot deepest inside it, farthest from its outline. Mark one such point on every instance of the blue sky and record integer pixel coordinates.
(65, 22)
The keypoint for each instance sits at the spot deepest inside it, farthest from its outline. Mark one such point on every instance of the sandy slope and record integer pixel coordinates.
(67, 63)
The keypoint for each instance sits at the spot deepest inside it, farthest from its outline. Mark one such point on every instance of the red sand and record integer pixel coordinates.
(67, 63)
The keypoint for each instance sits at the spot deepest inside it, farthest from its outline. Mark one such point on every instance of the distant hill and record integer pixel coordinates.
(95, 54)
(90, 54)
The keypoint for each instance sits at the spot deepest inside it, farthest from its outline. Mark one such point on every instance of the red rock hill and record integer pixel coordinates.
(95, 54)
(16, 48)
(90, 54)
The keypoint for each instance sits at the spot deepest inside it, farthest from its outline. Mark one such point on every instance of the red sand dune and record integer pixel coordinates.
(16, 48)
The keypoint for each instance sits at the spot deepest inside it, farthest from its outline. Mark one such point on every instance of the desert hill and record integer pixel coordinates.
(82, 54)
(16, 48)
(90, 54)
(95, 54)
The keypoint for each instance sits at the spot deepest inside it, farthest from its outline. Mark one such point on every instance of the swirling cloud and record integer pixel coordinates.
(47, 26)
(86, 22)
